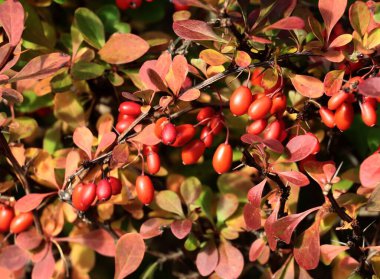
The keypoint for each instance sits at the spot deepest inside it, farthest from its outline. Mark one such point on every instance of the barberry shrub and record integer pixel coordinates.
(189, 139)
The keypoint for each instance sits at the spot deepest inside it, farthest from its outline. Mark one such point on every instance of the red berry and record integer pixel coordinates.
(207, 136)
(185, 133)
(344, 116)
(278, 104)
(122, 117)
(115, 185)
(169, 134)
(240, 100)
(153, 162)
(130, 108)
(337, 99)
(83, 196)
(21, 222)
(368, 113)
(327, 117)
(123, 4)
(257, 126)
(149, 148)
(192, 152)
(6, 216)
(257, 76)
(103, 190)
(144, 189)
(205, 113)
(123, 125)
(260, 108)
(273, 131)
(222, 159)
(216, 125)
(160, 124)
(178, 6)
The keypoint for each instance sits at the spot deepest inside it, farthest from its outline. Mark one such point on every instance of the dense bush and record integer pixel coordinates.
(229, 138)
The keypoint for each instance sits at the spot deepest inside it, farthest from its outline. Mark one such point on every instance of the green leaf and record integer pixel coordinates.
(343, 184)
(191, 243)
(115, 79)
(227, 205)
(22, 127)
(169, 201)
(52, 139)
(360, 17)
(236, 184)
(122, 27)
(191, 189)
(149, 272)
(83, 70)
(205, 201)
(376, 15)
(61, 82)
(90, 26)
(110, 15)
(60, 1)
(32, 102)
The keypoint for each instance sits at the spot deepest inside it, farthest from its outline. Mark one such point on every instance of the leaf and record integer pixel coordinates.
(231, 261)
(226, 206)
(255, 193)
(177, 73)
(252, 217)
(360, 17)
(42, 66)
(195, 30)
(130, 250)
(287, 23)
(12, 18)
(84, 70)
(369, 172)
(242, 59)
(306, 250)
(333, 82)
(13, 258)
(341, 40)
(123, 48)
(45, 267)
(28, 240)
(68, 109)
(120, 154)
(11, 95)
(169, 201)
(331, 12)
(207, 259)
(190, 95)
(373, 39)
(329, 252)
(213, 57)
(307, 86)
(181, 228)
(300, 147)
(72, 162)
(147, 136)
(30, 202)
(283, 228)
(90, 26)
(269, 225)
(191, 189)
(83, 138)
(106, 141)
(153, 227)
(272, 144)
(294, 177)
(22, 127)
(256, 249)
(370, 87)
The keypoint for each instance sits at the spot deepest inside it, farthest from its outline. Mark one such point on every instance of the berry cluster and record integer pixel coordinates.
(134, 4)
(14, 224)
(128, 111)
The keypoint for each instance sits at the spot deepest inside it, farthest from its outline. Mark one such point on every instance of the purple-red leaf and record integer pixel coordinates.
(331, 12)
(288, 23)
(269, 225)
(370, 87)
(231, 261)
(300, 147)
(190, 95)
(306, 250)
(147, 136)
(181, 228)
(369, 172)
(153, 227)
(82, 138)
(255, 193)
(44, 268)
(12, 20)
(29, 239)
(195, 30)
(256, 249)
(13, 257)
(30, 202)
(207, 259)
(130, 250)
(252, 217)
(294, 177)
(274, 145)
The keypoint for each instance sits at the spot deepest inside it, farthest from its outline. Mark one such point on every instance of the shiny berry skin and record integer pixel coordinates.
(273, 131)
(216, 125)
(185, 133)
(278, 104)
(240, 100)
(153, 162)
(207, 136)
(6, 216)
(192, 151)
(159, 126)
(169, 134)
(178, 6)
(21, 222)
(144, 189)
(327, 117)
(115, 185)
(344, 116)
(123, 125)
(130, 108)
(368, 113)
(257, 126)
(352, 84)
(205, 113)
(83, 196)
(260, 108)
(317, 146)
(337, 99)
(122, 117)
(370, 100)
(123, 4)
(257, 76)
(150, 148)
(222, 159)
(103, 190)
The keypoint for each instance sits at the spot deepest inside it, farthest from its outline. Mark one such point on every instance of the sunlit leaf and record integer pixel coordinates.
(252, 217)
(207, 259)
(360, 17)
(213, 57)
(169, 201)
(13, 257)
(370, 87)
(30, 202)
(300, 147)
(294, 177)
(106, 141)
(308, 86)
(331, 12)
(147, 136)
(256, 249)
(288, 23)
(369, 172)
(226, 206)
(195, 30)
(330, 252)
(306, 250)
(191, 189)
(90, 26)
(333, 82)
(83, 138)
(153, 227)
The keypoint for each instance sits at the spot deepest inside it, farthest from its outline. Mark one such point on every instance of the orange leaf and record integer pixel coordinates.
(308, 86)
(82, 137)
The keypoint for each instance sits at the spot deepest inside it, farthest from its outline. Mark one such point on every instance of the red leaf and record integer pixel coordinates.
(130, 250)
(98, 240)
(288, 23)
(181, 228)
(120, 154)
(331, 12)
(308, 86)
(269, 226)
(317, 170)
(12, 20)
(195, 30)
(300, 147)
(106, 141)
(256, 249)
(369, 172)
(190, 95)
(294, 177)
(13, 257)
(242, 59)
(370, 87)
(72, 161)
(207, 259)
(306, 250)
(177, 74)
(31, 201)
(29, 239)
(252, 217)
(153, 227)
(272, 144)
(283, 228)
(82, 137)
(147, 136)
(330, 252)
(333, 82)
(42, 66)
(44, 268)
(231, 261)
(255, 193)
